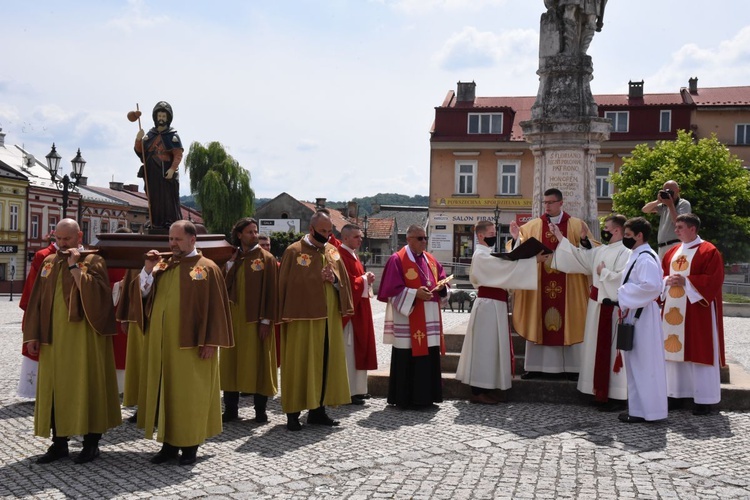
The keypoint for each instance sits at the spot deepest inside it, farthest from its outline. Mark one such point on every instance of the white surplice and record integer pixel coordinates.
(485, 356)
(570, 259)
(645, 365)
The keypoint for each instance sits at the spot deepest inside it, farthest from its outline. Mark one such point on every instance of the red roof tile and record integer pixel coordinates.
(378, 229)
(337, 218)
(721, 96)
(668, 99)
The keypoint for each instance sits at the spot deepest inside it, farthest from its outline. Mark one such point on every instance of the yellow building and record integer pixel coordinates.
(13, 189)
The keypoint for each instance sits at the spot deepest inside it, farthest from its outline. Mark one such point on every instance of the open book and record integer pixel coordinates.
(529, 248)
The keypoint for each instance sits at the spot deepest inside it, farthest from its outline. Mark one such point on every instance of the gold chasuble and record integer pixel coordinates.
(179, 392)
(555, 313)
(76, 359)
(252, 284)
(312, 309)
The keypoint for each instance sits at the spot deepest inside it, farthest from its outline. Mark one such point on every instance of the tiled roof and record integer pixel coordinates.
(721, 96)
(127, 196)
(668, 99)
(404, 218)
(337, 218)
(90, 195)
(378, 229)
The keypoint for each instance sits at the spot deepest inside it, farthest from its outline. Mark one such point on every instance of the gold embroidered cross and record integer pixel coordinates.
(418, 336)
(553, 289)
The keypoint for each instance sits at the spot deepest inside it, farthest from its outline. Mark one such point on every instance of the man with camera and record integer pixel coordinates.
(668, 205)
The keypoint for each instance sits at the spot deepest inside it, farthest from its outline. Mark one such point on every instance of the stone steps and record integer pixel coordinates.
(550, 389)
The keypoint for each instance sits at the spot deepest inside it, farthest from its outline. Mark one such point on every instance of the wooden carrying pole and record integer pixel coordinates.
(145, 173)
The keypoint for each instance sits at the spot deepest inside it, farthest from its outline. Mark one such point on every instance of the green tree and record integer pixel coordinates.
(710, 177)
(280, 240)
(220, 185)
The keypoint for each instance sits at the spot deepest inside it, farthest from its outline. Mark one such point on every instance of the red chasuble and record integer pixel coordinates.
(707, 276)
(553, 291)
(365, 353)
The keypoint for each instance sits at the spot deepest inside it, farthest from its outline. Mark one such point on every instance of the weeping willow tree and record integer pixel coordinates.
(220, 185)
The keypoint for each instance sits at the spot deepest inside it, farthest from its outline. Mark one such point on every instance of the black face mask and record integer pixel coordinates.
(606, 236)
(491, 240)
(628, 242)
(319, 237)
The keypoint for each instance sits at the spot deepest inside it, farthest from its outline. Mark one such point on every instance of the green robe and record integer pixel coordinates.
(176, 386)
(249, 366)
(77, 373)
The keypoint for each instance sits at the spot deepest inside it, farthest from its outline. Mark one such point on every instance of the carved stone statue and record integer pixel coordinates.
(575, 22)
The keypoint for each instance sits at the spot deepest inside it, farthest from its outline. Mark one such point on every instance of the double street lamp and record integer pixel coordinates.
(65, 185)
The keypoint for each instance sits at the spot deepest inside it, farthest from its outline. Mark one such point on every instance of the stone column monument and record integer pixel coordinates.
(565, 131)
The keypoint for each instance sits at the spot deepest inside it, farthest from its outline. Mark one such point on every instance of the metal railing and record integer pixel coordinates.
(737, 288)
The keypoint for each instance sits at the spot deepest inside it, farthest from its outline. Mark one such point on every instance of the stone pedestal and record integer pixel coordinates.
(566, 133)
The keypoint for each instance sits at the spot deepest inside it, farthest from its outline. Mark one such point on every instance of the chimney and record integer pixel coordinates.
(467, 92)
(351, 209)
(320, 203)
(116, 186)
(133, 188)
(2, 138)
(693, 85)
(635, 90)
(83, 181)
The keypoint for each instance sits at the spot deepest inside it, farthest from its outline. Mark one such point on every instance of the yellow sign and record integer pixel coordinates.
(483, 202)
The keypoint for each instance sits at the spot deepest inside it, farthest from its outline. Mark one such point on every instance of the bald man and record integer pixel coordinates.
(70, 323)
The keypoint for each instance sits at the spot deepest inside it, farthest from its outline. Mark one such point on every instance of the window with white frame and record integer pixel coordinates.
(13, 211)
(743, 133)
(603, 175)
(665, 120)
(34, 234)
(508, 177)
(619, 120)
(2, 221)
(485, 123)
(466, 173)
(52, 223)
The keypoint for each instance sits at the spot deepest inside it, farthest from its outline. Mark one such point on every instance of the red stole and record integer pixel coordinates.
(417, 320)
(553, 290)
(603, 348)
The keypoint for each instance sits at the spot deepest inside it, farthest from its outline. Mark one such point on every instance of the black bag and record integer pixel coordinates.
(625, 334)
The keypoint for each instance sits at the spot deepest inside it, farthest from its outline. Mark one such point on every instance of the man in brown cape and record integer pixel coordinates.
(250, 366)
(186, 318)
(314, 294)
(69, 323)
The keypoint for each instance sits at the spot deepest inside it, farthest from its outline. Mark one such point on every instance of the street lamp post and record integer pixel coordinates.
(365, 225)
(65, 185)
(497, 225)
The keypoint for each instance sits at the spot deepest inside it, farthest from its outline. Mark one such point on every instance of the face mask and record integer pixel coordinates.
(628, 242)
(606, 236)
(319, 237)
(491, 240)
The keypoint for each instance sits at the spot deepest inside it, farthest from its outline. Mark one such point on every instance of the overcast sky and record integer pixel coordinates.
(318, 98)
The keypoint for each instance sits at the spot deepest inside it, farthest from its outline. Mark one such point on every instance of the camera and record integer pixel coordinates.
(666, 194)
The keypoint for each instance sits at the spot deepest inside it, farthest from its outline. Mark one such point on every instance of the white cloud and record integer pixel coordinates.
(472, 48)
(727, 64)
(137, 17)
(422, 6)
(306, 145)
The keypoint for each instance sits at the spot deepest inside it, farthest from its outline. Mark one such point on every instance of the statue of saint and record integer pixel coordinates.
(577, 21)
(161, 152)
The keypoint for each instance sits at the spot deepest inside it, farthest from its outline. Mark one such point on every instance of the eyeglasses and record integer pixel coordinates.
(419, 238)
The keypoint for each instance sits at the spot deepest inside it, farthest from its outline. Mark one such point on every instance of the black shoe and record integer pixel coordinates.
(133, 419)
(229, 416)
(292, 422)
(189, 455)
(362, 396)
(88, 453)
(54, 452)
(612, 405)
(261, 417)
(167, 453)
(629, 419)
(531, 375)
(357, 401)
(573, 377)
(318, 416)
(674, 404)
(701, 410)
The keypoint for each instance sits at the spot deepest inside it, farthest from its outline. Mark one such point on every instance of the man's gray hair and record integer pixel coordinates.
(413, 229)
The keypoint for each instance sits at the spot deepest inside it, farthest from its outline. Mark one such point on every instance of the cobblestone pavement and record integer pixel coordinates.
(456, 451)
